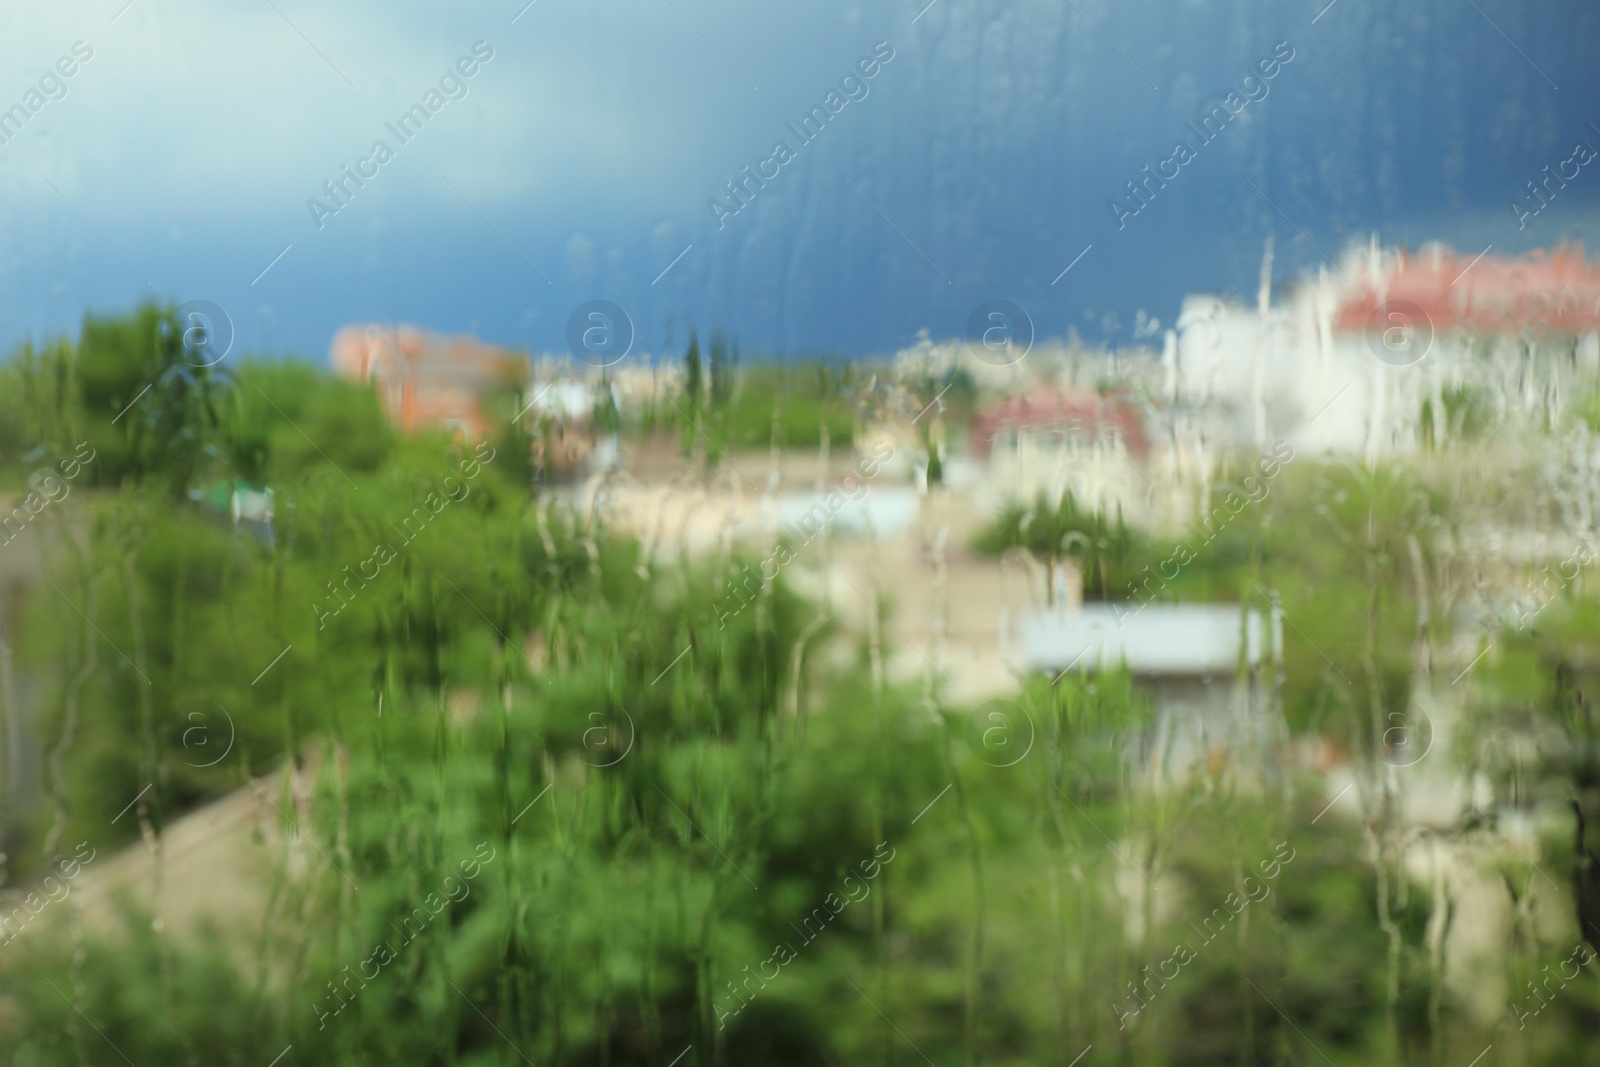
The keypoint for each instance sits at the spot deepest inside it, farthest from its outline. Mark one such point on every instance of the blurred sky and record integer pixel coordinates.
(978, 165)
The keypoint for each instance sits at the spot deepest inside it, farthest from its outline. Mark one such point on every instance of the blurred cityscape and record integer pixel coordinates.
(1298, 583)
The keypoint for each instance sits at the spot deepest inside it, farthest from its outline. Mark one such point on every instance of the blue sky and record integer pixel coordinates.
(579, 165)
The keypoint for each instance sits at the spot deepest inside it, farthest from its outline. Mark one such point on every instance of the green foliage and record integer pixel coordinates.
(791, 404)
(1462, 417)
(1110, 554)
(578, 810)
(1536, 735)
(286, 421)
(39, 415)
(1346, 549)
(148, 410)
(721, 370)
(751, 407)
(1587, 408)
(1273, 921)
(694, 375)
(145, 1008)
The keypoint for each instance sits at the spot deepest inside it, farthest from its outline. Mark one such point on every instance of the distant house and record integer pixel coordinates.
(1550, 293)
(1203, 667)
(1156, 641)
(1054, 441)
(572, 434)
(1373, 356)
(426, 380)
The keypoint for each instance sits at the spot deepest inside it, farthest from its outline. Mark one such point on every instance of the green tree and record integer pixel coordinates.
(720, 370)
(150, 398)
(693, 385)
(1108, 552)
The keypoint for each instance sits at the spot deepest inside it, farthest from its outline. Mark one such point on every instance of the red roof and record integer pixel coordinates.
(1557, 292)
(1052, 411)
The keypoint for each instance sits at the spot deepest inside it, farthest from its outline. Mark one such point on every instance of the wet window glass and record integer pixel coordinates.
(687, 533)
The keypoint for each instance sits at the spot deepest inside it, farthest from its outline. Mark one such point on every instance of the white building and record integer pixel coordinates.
(1387, 349)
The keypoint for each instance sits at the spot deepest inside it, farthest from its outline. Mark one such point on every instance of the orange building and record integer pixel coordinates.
(423, 379)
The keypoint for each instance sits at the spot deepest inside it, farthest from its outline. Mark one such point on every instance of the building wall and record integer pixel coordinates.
(1290, 373)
